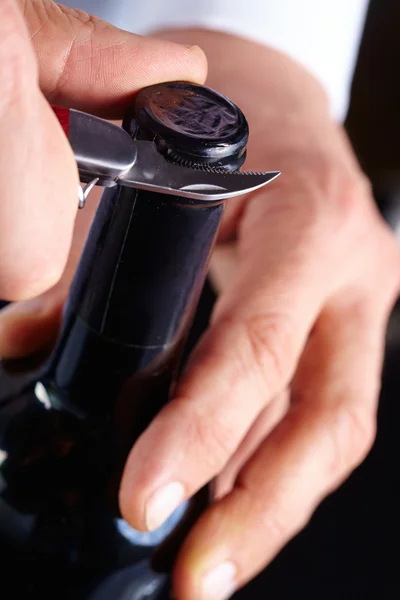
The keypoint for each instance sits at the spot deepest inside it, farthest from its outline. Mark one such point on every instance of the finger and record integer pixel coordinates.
(222, 271)
(38, 200)
(89, 64)
(266, 422)
(32, 325)
(245, 359)
(327, 432)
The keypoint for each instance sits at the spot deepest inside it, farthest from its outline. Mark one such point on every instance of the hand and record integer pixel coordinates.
(279, 399)
(308, 273)
(84, 63)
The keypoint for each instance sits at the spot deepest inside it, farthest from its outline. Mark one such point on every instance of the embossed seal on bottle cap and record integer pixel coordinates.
(191, 122)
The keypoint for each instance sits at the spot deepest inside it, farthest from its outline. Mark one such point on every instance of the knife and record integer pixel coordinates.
(107, 155)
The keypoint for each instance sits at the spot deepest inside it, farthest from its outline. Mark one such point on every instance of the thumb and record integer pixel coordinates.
(87, 63)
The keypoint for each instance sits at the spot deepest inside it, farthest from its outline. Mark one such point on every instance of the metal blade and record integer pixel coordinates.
(152, 172)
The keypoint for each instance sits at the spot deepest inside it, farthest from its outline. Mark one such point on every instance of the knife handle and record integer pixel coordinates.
(63, 115)
(102, 150)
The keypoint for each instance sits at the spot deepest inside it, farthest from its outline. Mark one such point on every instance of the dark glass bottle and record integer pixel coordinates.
(66, 429)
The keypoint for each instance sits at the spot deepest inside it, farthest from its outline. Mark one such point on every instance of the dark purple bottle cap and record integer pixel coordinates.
(191, 124)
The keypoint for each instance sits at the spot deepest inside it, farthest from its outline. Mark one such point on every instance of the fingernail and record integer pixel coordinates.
(162, 503)
(197, 50)
(219, 583)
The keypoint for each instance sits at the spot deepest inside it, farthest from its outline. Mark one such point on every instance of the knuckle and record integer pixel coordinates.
(281, 526)
(389, 265)
(214, 441)
(362, 440)
(40, 13)
(278, 518)
(81, 18)
(352, 436)
(271, 348)
(377, 270)
(349, 200)
(338, 200)
(275, 525)
(282, 522)
(351, 207)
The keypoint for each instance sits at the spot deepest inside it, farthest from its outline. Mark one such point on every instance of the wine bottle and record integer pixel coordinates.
(66, 429)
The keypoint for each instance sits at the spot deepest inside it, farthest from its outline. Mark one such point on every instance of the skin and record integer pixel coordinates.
(279, 399)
